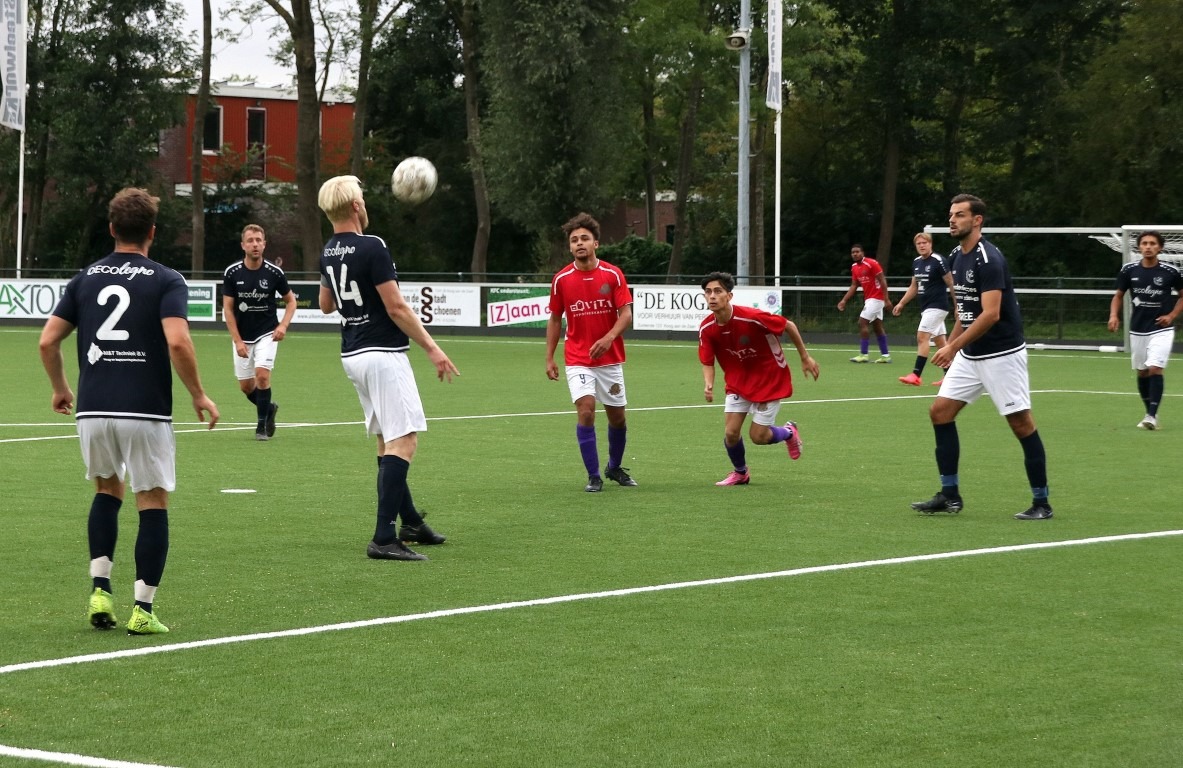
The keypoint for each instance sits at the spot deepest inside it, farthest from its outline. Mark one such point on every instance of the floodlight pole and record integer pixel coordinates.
(743, 215)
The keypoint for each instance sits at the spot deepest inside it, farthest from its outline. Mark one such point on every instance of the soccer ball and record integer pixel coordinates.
(414, 180)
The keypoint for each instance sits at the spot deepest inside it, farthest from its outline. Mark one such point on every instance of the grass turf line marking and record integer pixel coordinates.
(624, 592)
(67, 758)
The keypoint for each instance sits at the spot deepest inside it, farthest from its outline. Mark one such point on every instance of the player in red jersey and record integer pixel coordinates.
(866, 272)
(756, 377)
(594, 297)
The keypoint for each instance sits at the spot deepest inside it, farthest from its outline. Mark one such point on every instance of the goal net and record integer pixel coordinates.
(1125, 242)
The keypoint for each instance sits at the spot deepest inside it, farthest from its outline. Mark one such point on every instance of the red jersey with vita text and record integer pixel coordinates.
(591, 301)
(866, 274)
(748, 350)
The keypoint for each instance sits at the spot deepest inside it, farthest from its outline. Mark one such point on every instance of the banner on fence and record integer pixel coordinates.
(682, 308)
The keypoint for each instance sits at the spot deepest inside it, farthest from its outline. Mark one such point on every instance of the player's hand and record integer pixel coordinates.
(63, 402)
(842, 306)
(552, 370)
(600, 347)
(895, 311)
(445, 369)
(809, 367)
(709, 393)
(1114, 324)
(1162, 321)
(943, 357)
(888, 305)
(279, 333)
(240, 348)
(204, 405)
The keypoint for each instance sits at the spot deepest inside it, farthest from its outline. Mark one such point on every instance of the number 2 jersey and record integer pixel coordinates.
(352, 266)
(117, 304)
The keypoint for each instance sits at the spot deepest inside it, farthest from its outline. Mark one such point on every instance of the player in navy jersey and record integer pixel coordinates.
(131, 315)
(358, 279)
(249, 288)
(746, 343)
(986, 353)
(1152, 329)
(931, 284)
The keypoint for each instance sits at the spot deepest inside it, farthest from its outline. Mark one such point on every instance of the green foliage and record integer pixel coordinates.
(637, 256)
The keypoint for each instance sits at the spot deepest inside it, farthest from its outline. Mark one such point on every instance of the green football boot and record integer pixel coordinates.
(101, 609)
(144, 623)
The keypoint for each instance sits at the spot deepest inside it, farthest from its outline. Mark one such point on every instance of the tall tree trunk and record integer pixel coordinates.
(197, 144)
(891, 182)
(687, 138)
(466, 22)
(369, 11)
(649, 134)
(307, 137)
(951, 149)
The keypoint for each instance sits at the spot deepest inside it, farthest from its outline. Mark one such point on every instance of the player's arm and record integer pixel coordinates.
(405, 318)
(882, 280)
(184, 358)
(289, 311)
(808, 364)
(846, 296)
(991, 311)
(624, 318)
(554, 328)
(232, 325)
(326, 300)
(1115, 310)
(708, 379)
(52, 335)
(1169, 319)
(908, 296)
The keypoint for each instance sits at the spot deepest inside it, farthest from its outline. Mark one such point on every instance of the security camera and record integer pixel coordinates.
(738, 40)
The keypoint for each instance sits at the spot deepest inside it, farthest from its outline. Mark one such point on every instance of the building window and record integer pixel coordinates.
(256, 142)
(211, 141)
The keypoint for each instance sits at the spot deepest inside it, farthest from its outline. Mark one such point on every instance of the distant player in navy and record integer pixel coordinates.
(986, 353)
(358, 279)
(131, 315)
(249, 288)
(1152, 329)
(931, 282)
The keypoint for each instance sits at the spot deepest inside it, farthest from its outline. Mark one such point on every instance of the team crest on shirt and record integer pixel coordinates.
(969, 275)
(263, 284)
(605, 289)
(745, 340)
(1158, 281)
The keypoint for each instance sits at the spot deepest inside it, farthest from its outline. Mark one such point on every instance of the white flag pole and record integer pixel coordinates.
(773, 100)
(20, 208)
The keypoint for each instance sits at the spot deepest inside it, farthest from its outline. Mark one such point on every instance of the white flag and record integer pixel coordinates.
(772, 98)
(12, 62)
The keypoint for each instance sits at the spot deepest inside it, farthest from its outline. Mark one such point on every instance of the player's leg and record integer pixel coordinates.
(735, 411)
(765, 431)
(105, 465)
(881, 337)
(864, 335)
(1158, 352)
(581, 382)
(610, 391)
(263, 353)
(961, 387)
(922, 347)
(1008, 383)
(152, 469)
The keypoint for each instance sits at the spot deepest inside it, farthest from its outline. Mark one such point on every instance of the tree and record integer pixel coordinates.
(199, 110)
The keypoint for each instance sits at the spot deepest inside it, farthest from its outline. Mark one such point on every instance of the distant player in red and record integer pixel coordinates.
(594, 297)
(746, 343)
(866, 273)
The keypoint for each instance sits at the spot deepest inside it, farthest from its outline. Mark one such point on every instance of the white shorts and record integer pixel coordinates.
(932, 322)
(872, 310)
(389, 398)
(762, 413)
(1005, 378)
(1151, 351)
(605, 383)
(260, 354)
(145, 450)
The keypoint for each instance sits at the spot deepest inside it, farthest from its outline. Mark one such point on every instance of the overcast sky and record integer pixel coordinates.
(250, 59)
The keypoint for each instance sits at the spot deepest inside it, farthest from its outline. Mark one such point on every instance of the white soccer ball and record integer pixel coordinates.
(414, 180)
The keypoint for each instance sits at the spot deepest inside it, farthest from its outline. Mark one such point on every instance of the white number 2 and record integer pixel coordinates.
(345, 288)
(107, 331)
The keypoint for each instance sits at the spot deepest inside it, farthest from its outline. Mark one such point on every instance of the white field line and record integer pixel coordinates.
(67, 758)
(242, 426)
(445, 613)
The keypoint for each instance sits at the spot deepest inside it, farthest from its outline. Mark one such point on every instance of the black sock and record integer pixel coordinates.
(948, 453)
(102, 531)
(392, 486)
(409, 515)
(1154, 396)
(151, 548)
(263, 403)
(253, 396)
(1144, 391)
(1035, 461)
(919, 367)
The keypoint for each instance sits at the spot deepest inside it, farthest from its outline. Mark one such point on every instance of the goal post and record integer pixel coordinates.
(1122, 239)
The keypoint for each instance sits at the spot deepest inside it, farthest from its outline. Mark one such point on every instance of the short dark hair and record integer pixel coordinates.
(132, 213)
(582, 221)
(976, 206)
(859, 246)
(725, 279)
(1151, 233)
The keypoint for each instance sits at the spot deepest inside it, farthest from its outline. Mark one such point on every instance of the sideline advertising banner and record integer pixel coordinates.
(682, 308)
(436, 304)
(29, 299)
(527, 307)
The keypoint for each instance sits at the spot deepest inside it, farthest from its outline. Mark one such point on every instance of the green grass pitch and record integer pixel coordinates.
(1057, 656)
